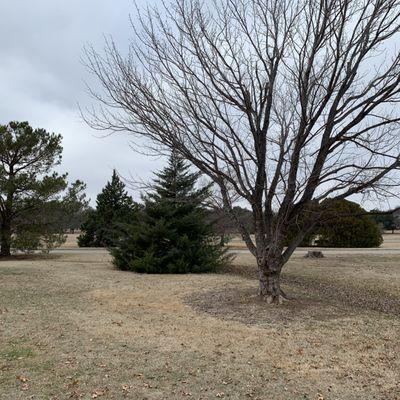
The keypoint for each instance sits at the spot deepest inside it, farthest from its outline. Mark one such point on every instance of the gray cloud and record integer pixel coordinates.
(42, 80)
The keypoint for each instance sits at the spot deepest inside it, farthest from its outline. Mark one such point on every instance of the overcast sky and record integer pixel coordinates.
(42, 80)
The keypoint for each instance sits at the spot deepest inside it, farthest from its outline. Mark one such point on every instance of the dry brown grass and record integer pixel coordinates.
(71, 241)
(73, 327)
(390, 241)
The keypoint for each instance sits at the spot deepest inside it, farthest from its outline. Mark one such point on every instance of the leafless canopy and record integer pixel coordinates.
(280, 102)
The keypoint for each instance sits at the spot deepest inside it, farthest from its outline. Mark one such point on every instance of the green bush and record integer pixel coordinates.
(25, 241)
(346, 224)
(51, 241)
(342, 224)
(28, 242)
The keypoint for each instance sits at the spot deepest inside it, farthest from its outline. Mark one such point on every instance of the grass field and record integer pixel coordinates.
(72, 327)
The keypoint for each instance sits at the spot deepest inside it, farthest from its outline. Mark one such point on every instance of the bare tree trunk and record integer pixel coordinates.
(269, 275)
(5, 240)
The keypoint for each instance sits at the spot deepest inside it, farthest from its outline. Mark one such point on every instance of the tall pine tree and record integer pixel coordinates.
(171, 233)
(113, 207)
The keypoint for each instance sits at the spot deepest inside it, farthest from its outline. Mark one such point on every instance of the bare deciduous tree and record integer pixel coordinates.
(281, 103)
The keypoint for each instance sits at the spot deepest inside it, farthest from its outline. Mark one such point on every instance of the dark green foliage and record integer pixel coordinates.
(113, 206)
(89, 227)
(346, 224)
(342, 223)
(30, 194)
(171, 233)
(46, 225)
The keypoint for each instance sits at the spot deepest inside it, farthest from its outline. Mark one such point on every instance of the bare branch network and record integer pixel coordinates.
(281, 103)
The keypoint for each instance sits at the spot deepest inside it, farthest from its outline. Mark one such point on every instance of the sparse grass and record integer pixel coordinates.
(73, 327)
(18, 353)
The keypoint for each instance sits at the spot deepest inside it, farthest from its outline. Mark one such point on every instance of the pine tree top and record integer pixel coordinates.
(114, 195)
(176, 183)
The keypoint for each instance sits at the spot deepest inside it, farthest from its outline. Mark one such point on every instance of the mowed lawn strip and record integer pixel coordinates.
(71, 326)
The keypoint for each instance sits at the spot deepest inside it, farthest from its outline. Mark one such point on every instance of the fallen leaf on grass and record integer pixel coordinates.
(22, 378)
(98, 393)
(76, 395)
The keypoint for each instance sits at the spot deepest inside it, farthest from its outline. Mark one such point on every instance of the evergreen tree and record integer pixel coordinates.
(29, 188)
(171, 234)
(113, 206)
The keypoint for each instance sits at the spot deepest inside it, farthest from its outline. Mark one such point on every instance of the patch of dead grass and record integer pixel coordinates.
(94, 331)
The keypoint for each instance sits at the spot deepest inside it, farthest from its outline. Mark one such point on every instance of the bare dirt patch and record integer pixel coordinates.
(243, 305)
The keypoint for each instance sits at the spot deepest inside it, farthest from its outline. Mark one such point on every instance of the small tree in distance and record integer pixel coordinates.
(226, 226)
(171, 234)
(282, 104)
(44, 227)
(113, 205)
